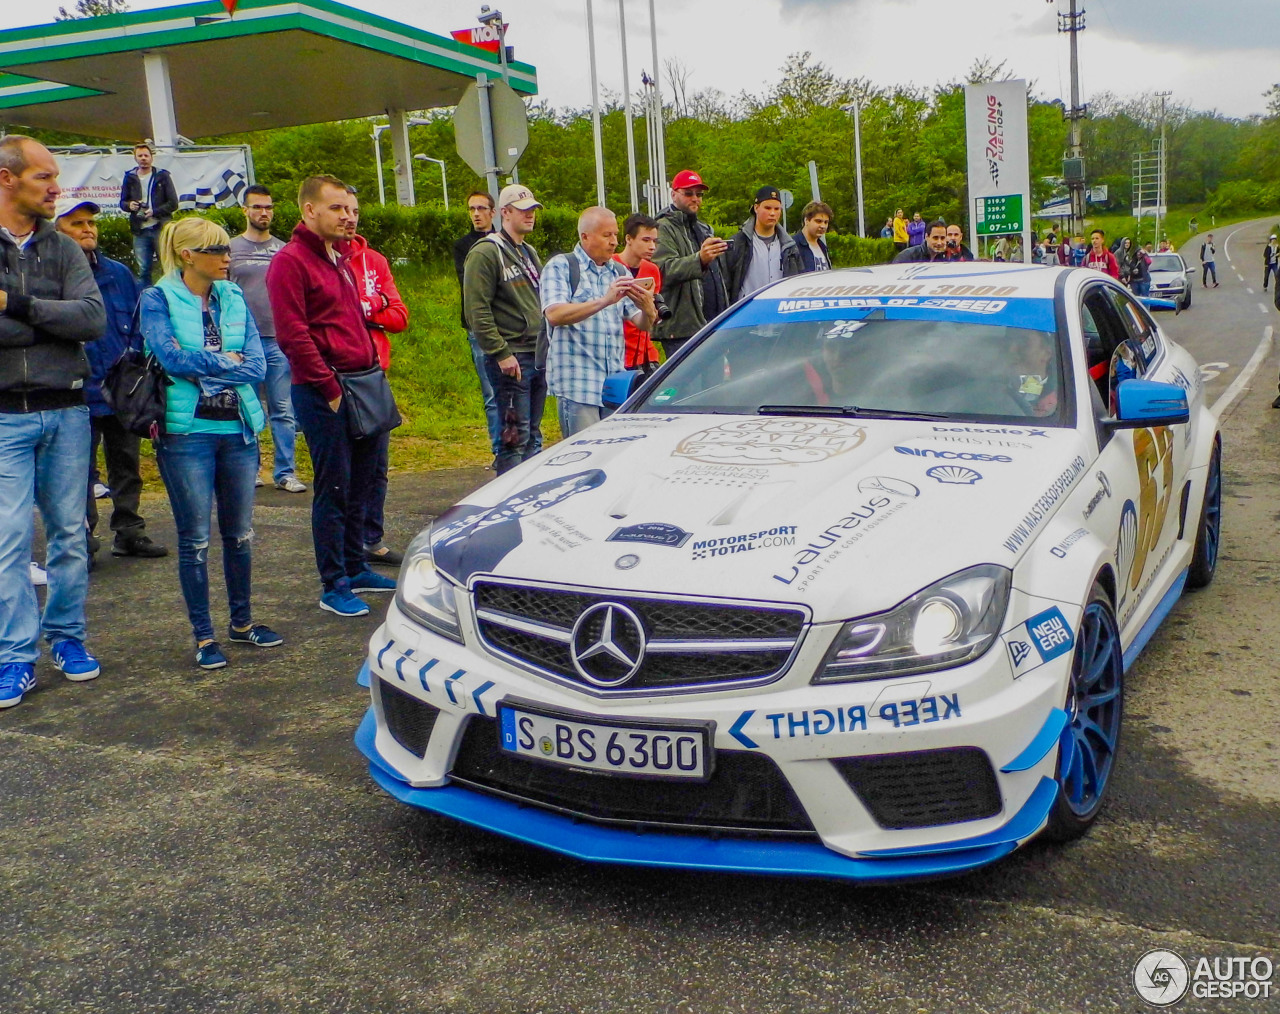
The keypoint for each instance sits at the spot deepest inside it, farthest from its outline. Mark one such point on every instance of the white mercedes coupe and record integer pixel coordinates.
(846, 589)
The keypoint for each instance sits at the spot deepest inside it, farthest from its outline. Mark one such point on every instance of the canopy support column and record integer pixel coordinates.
(164, 122)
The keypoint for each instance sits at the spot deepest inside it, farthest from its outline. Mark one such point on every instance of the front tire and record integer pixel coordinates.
(1095, 706)
(1186, 302)
(1204, 562)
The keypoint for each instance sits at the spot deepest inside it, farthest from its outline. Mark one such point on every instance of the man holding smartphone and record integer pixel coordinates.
(688, 256)
(584, 311)
(150, 198)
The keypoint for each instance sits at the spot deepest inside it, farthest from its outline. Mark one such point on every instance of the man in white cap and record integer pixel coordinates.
(1269, 254)
(500, 300)
(78, 219)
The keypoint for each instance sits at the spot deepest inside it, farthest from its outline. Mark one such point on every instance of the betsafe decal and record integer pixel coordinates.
(470, 540)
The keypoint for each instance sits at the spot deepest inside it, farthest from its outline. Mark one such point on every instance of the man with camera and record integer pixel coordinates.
(581, 296)
(639, 241)
(150, 198)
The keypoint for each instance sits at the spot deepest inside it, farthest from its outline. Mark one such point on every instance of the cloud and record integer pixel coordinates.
(1190, 25)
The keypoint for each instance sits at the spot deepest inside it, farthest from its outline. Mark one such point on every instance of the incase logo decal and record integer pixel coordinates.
(929, 452)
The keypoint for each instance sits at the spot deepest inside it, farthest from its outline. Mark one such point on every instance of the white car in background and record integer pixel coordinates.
(1172, 278)
(847, 589)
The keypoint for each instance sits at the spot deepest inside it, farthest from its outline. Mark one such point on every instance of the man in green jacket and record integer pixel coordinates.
(503, 308)
(687, 255)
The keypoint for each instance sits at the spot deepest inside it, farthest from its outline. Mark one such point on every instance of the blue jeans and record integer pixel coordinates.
(284, 427)
(344, 471)
(1208, 268)
(196, 469)
(492, 417)
(576, 416)
(520, 403)
(144, 251)
(44, 457)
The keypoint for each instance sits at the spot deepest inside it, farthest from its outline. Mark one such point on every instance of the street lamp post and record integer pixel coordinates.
(378, 128)
(444, 182)
(854, 107)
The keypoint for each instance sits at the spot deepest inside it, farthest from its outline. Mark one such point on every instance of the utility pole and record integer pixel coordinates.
(595, 106)
(1161, 179)
(1073, 24)
(626, 100)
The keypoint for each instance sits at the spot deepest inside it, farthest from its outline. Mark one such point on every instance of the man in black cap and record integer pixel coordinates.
(761, 252)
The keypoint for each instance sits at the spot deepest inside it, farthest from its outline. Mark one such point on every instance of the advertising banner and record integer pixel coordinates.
(203, 179)
(995, 117)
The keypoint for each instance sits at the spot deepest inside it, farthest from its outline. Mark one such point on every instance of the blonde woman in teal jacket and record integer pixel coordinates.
(200, 329)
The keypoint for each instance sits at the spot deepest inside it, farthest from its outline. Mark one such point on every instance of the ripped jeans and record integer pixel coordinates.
(196, 469)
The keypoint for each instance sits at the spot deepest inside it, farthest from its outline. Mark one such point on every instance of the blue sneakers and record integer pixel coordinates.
(73, 660)
(16, 678)
(368, 581)
(209, 656)
(341, 602)
(259, 634)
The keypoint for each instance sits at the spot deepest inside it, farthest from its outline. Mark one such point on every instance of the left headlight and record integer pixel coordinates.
(947, 624)
(424, 593)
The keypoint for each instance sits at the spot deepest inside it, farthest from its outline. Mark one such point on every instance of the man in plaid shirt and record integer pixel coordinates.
(587, 342)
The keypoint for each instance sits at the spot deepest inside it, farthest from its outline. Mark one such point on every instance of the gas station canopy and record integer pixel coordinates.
(194, 69)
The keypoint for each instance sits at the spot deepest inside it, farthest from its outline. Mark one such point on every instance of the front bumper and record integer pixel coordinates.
(979, 707)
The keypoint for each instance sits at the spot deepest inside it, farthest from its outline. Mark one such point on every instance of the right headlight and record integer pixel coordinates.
(946, 624)
(424, 593)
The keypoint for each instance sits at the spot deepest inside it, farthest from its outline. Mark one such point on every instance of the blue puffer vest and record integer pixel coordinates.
(187, 316)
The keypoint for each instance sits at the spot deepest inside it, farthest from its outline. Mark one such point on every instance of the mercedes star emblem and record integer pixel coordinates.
(608, 644)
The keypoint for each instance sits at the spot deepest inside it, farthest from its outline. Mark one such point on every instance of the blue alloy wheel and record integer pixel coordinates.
(1095, 704)
(1208, 536)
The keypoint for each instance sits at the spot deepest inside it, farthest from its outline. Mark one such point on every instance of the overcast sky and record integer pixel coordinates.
(1213, 55)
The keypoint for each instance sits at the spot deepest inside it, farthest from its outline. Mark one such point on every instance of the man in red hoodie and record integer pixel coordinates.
(320, 327)
(384, 314)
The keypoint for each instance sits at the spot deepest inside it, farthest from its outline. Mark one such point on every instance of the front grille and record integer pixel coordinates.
(409, 720)
(734, 643)
(746, 792)
(924, 788)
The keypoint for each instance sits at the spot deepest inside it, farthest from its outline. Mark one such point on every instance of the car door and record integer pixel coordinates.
(1138, 468)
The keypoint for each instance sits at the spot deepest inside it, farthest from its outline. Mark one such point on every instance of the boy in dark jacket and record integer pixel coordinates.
(761, 252)
(121, 448)
(150, 198)
(809, 242)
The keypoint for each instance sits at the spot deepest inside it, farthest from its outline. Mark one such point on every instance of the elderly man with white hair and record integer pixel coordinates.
(582, 299)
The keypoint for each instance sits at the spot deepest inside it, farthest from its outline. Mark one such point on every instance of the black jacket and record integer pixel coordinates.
(164, 195)
(694, 292)
(920, 252)
(806, 254)
(461, 247)
(738, 258)
(53, 308)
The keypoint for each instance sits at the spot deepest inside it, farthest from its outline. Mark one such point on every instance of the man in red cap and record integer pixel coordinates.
(688, 257)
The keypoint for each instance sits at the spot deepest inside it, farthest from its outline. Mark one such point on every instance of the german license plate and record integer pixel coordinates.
(635, 749)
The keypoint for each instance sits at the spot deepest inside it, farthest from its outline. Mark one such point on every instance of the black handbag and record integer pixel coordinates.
(135, 387)
(371, 407)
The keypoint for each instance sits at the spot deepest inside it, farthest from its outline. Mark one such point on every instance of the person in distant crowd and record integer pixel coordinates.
(1140, 270)
(122, 449)
(1065, 253)
(760, 253)
(584, 308)
(150, 198)
(813, 248)
(916, 230)
(900, 234)
(1124, 252)
(320, 326)
(887, 231)
(199, 326)
(640, 240)
(1078, 251)
(1167, 247)
(689, 256)
(1208, 255)
(934, 247)
(49, 308)
(480, 209)
(251, 254)
(956, 250)
(1001, 249)
(1269, 254)
(384, 314)
(1099, 257)
(500, 298)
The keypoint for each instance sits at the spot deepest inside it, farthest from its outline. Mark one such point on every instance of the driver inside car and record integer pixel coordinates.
(1032, 373)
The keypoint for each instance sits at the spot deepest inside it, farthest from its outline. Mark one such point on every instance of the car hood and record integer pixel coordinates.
(848, 517)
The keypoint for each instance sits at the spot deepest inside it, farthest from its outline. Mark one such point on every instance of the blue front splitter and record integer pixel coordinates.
(601, 844)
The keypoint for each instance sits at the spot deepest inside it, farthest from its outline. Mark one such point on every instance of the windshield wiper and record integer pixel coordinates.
(847, 410)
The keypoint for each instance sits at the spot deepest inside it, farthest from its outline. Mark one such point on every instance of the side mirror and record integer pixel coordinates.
(1149, 403)
(618, 387)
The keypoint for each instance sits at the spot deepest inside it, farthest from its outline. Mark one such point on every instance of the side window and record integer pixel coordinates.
(1103, 333)
(1138, 325)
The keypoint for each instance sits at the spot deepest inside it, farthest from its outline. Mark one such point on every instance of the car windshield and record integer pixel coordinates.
(915, 368)
(1166, 262)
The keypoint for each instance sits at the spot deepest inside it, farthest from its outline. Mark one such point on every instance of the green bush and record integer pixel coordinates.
(855, 252)
(1239, 197)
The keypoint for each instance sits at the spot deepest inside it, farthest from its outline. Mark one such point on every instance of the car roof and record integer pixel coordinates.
(1028, 281)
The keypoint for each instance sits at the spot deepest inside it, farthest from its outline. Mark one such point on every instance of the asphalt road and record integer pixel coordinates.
(173, 840)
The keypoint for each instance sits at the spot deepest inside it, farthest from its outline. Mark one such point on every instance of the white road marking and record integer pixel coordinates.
(1247, 289)
(1238, 385)
(1262, 307)
(1240, 276)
